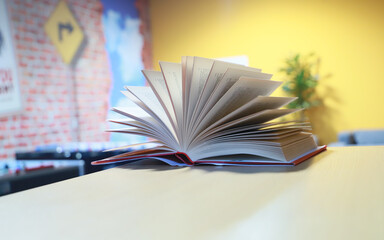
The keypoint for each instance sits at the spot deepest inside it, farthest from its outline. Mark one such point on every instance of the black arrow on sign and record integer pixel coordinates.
(63, 26)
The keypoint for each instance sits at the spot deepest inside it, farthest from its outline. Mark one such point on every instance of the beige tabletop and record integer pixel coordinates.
(338, 194)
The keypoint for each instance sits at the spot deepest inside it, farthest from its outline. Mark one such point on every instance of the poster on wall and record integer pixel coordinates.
(124, 44)
(10, 100)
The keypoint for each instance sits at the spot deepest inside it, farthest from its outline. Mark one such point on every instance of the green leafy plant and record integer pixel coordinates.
(301, 80)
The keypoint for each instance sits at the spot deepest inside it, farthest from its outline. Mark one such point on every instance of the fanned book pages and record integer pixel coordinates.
(205, 111)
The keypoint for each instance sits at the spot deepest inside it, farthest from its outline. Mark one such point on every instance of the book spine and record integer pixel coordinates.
(184, 158)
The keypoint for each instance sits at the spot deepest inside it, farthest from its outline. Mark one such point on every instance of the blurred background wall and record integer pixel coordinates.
(64, 102)
(60, 100)
(347, 35)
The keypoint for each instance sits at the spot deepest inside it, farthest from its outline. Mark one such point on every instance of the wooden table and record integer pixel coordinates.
(338, 194)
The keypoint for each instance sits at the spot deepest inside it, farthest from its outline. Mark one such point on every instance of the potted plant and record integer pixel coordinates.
(301, 80)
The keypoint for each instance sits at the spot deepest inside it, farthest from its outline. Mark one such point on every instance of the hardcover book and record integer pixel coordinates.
(206, 111)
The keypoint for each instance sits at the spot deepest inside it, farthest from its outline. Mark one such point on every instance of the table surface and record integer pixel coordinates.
(338, 194)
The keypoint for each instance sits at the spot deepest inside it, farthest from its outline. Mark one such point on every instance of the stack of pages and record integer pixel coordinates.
(205, 111)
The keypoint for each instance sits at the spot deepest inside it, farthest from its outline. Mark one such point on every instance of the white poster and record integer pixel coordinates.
(10, 101)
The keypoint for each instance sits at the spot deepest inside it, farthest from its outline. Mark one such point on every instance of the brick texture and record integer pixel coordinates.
(62, 103)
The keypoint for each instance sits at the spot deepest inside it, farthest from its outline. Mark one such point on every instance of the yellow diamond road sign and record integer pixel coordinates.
(64, 32)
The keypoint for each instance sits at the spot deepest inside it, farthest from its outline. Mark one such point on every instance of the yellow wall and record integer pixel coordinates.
(347, 35)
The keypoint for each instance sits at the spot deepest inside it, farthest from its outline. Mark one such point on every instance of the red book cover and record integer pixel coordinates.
(182, 159)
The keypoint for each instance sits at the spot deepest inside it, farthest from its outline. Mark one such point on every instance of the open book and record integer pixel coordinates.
(205, 111)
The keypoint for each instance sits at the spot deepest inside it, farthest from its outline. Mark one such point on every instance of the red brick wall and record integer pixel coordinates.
(92, 75)
(61, 103)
